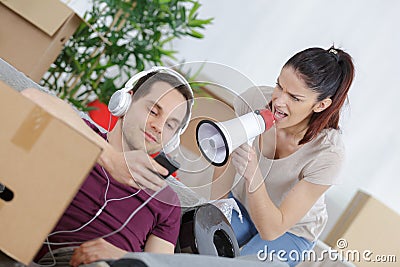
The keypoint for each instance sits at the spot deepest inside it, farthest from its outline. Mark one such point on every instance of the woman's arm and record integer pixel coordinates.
(272, 221)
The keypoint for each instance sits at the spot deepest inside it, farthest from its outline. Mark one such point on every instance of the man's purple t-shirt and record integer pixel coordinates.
(160, 217)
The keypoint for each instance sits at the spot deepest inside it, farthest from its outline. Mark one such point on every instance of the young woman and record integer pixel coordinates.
(280, 182)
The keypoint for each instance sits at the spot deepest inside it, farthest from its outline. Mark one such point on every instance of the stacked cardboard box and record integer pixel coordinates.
(33, 33)
(367, 233)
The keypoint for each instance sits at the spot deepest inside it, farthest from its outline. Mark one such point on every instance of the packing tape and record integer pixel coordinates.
(31, 128)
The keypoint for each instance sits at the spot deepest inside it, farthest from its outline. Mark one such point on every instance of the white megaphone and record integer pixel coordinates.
(217, 140)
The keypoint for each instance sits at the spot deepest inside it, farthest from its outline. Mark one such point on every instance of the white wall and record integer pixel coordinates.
(256, 37)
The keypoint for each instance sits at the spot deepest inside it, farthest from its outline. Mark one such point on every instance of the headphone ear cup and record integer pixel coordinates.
(119, 103)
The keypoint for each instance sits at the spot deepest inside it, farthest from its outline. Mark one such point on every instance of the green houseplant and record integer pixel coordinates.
(119, 38)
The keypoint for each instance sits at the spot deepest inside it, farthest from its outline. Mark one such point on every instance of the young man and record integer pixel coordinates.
(101, 221)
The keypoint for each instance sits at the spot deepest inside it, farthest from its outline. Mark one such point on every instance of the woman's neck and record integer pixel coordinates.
(295, 133)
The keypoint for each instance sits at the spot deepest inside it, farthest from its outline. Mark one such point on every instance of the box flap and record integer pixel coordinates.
(47, 15)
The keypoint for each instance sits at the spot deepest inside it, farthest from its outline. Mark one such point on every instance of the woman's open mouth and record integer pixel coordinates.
(279, 115)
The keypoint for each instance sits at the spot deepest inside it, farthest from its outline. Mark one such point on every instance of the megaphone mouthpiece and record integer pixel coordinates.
(267, 116)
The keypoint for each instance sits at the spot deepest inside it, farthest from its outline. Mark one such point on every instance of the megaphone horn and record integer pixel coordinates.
(217, 140)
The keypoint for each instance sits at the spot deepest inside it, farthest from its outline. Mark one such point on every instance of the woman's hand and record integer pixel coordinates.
(245, 161)
(134, 168)
(95, 250)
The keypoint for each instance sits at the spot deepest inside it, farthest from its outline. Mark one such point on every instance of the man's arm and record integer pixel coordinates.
(99, 249)
(155, 244)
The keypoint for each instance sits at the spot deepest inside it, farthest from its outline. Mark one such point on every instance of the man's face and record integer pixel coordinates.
(153, 119)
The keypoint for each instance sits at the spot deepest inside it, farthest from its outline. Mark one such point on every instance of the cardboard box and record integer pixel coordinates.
(33, 33)
(367, 225)
(43, 161)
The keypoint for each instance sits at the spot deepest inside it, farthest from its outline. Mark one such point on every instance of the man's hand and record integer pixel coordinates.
(95, 250)
(134, 168)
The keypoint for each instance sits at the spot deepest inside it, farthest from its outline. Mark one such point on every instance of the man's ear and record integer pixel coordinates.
(322, 105)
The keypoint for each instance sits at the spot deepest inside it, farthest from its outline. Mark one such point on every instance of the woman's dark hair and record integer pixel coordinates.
(329, 73)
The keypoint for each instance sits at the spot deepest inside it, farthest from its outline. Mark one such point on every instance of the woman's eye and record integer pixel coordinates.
(295, 98)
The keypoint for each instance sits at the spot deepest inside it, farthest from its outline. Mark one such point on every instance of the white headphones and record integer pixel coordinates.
(121, 100)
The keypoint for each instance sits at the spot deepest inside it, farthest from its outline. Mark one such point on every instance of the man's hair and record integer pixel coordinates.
(143, 87)
(144, 84)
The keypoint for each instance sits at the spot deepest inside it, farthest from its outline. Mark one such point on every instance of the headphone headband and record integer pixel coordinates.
(131, 82)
